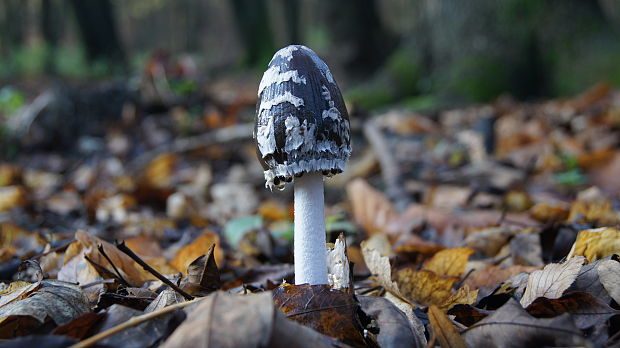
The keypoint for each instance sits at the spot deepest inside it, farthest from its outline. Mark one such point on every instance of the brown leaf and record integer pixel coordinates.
(586, 310)
(511, 326)
(131, 270)
(328, 311)
(203, 276)
(491, 277)
(56, 301)
(224, 320)
(444, 330)
(200, 246)
(597, 243)
(372, 210)
(449, 262)
(467, 315)
(548, 212)
(551, 281)
(427, 288)
(80, 327)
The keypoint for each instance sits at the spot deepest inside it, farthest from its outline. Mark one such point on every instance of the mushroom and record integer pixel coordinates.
(302, 135)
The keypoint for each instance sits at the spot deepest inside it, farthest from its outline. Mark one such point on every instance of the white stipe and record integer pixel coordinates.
(309, 236)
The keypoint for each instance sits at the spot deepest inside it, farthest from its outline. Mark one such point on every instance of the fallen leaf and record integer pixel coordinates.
(164, 299)
(131, 270)
(449, 262)
(395, 328)
(200, 246)
(588, 280)
(56, 301)
(467, 315)
(331, 312)
(489, 240)
(12, 197)
(526, 250)
(585, 309)
(511, 326)
(379, 267)
(609, 276)
(427, 288)
(80, 327)
(551, 281)
(203, 276)
(491, 277)
(549, 212)
(16, 291)
(596, 212)
(444, 330)
(224, 320)
(597, 243)
(372, 210)
(145, 334)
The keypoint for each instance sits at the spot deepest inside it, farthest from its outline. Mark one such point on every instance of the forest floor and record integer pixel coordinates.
(493, 224)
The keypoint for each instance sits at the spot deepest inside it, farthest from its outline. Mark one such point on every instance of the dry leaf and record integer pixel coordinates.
(449, 262)
(596, 212)
(202, 276)
(131, 270)
(511, 326)
(380, 268)
(551, 281)
(427, 288)
(444, 330)
(200, 246)
(549, 212)
(60, 302)
(372, 210)
(224, 320)
(609, 275)
(328, 311)
(596, 243)
(17, 290)
(12, 197)
(585, 309)
(395, 329)
(493, 276)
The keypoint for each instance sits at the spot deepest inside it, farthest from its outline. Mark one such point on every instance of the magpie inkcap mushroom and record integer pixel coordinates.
(302, 124)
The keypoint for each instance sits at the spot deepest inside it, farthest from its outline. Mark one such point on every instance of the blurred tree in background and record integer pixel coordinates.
(421, 53)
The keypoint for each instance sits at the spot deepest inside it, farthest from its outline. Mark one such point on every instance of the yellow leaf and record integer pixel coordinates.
(427, 288)
(449, 262)
(598, 212)
(16, 291)
(11, 197)
(159, 172)
(200, 246)
(445, 332)
(597, 243)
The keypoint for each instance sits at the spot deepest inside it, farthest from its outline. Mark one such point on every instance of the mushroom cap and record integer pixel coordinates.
(302, 124)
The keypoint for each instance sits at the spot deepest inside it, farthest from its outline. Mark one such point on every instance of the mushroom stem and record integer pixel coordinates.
(310, 244)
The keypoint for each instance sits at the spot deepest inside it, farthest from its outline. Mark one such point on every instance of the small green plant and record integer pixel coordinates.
(10, 100)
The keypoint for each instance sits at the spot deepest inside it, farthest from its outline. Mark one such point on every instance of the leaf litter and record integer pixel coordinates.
(169, 239)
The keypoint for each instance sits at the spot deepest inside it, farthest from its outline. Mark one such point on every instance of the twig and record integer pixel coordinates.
(389, 166)
(132, 322)
(218, 136)
(125, 249)
(53, 250)
(102, 251)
